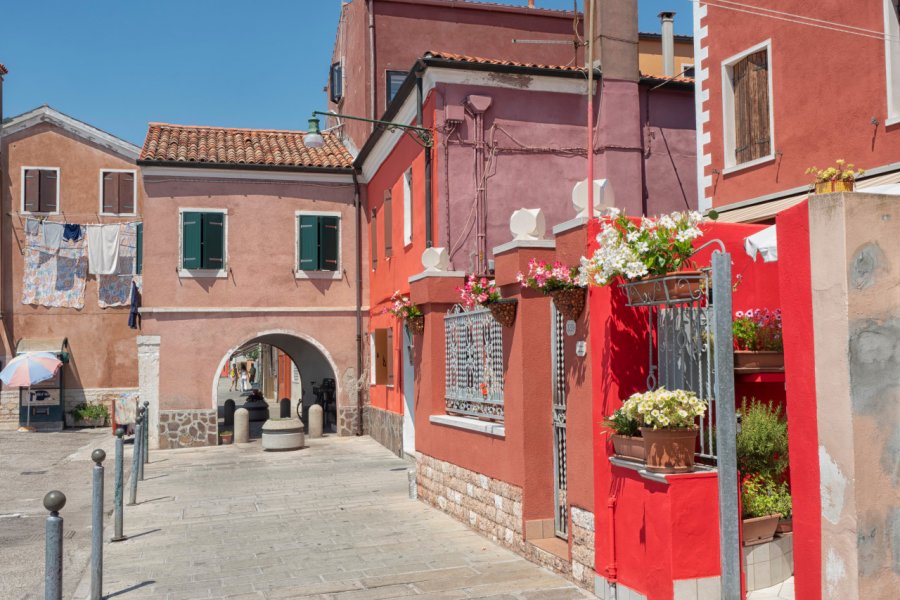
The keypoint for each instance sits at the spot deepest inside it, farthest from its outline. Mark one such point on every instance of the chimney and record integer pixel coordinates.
(667, 25)
(616, 38)
(530, 3)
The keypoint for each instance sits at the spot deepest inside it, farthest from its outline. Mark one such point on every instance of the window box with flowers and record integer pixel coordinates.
(560, 282)
(651, 258)
(758, 342)
(403, 309)
(839, 178)
(626, 438)
(481, 291)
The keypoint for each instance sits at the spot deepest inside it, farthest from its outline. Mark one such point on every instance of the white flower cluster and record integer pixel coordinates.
(632, 251)
(665, 409)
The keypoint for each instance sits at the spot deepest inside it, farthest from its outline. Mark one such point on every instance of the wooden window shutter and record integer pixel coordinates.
(388, 222)
(759, 94)
(373, 234)
(139, 248)
(111, 193)
(191, 227)
(381, 356)
(32, 183)
(308, 250)
(48, 200)
(213, 241)
(741, 85)
(390, 356)
(329, 239)
(126, 193)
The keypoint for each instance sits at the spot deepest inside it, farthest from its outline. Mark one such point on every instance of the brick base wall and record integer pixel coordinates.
(385, 427)
(187, 428)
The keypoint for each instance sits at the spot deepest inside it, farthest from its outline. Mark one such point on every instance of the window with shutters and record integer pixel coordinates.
(318, 245)
(203, 243)
(118, 192)
(393, 80)
(388, 218)
(139, 249)
(892, 59)
(40, 190)
(407, 207)
(747, 101)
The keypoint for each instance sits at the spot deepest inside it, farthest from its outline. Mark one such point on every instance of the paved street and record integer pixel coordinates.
(330, 521)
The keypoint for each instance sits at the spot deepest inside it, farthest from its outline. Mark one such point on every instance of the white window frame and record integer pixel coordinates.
(100, 194)
(22, 191)
(685, 67)
(338, 273)
(372, 355)
(407, 207)
(728, 124)
(202, 273)
(891, 59)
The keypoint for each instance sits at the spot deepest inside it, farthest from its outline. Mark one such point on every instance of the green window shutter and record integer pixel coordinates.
(213, 240)
(309, 243)
(329, 239)
(139, 252)
(191, 227)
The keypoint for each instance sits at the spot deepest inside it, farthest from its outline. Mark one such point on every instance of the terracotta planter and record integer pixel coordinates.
(226, 440)
(628, 446)
(758, 360)
(759, 530)
(416, 325)
(569, 302)
(831, 187)
(669, 450)
(684, 286)
(504, 311)
(785, 526)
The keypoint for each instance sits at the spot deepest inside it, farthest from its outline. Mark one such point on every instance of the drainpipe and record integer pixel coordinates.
(478, 105)
(429, 234)
(590, 111)
(359, 281)
(667, 25)
(612, 569)
(370, 7)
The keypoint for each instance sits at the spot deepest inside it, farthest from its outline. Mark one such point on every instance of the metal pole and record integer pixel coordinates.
(118, 536)
(146, 433)
(139, 442)
(53, 552)
(135, 460)
(98, 457)
(726, 429)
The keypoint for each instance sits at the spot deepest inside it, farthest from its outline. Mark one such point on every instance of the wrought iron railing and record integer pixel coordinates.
(473, 363)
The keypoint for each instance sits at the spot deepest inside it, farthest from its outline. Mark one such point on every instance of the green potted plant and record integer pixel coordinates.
(626, 437)
(481, 291)
(668, 426)
(758, 341)
(839, 178)
(90, 414)
(761, 501)
(226, 437)
(402, 308)
(559, 282)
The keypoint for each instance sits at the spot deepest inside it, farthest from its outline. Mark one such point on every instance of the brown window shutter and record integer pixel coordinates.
(32, 183)
(373, 234)
(126, 193)
(388, 224)
(740, 81)
(759, 123)
(110, 193)
(48, 200)
(389, 351)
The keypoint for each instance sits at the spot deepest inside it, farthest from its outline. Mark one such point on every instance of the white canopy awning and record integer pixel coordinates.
(765, 243)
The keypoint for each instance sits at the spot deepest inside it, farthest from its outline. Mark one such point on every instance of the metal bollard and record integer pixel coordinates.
(53, 552)
(118, 536)
(146, 432)
(135, 460)
(98, 456)
(139, 442)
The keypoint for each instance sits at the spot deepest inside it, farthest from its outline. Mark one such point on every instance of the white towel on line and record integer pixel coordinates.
(52, 235)
(103, 249)
(32, 227)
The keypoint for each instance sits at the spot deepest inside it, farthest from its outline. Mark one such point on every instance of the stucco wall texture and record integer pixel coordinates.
(856, 309)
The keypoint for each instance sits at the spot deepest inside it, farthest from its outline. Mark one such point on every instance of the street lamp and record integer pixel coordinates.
(314, 139)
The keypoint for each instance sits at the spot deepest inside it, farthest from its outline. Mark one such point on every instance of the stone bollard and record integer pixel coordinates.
(315, 421)
(282, 434)
(241, 426)
(411, 481)
(119, 484)
(284, 406)
(135, 462)
(98, 456)
(229, 413)
(53, 550)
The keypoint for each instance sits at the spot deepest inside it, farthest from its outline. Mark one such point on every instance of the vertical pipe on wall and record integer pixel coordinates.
(667, 27)
(590, 109)
(429, 234)
(357, 203)
(370, 6)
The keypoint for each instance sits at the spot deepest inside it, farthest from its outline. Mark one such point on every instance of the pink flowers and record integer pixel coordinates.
(401, 307)
(758, 329)
(478, 291)
(547, 279)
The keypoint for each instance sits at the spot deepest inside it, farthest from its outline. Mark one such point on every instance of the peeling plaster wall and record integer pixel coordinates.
(855, 247)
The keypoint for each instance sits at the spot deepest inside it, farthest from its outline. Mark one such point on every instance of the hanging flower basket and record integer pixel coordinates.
(684, 286)
(416, 324)
(570, 302)
(503, 311)
(830, 187)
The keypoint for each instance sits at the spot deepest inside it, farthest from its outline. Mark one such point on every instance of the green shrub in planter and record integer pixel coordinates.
(98, 413)
(761, 496)
(622, 424)
(762, 444)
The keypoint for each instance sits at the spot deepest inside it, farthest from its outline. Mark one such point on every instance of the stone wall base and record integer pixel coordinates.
(385, 427)
(347, 420)
(583, 547)
(187, 428)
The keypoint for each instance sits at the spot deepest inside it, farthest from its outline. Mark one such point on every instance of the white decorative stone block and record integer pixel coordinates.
(436, 259)
(604, 198)
(282, 434)
(528, 224)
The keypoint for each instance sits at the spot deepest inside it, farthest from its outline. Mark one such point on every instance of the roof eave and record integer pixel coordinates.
(143, 162)
(672, 84)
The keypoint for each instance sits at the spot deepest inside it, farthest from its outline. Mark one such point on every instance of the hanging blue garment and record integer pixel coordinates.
(134, 317)
(72, 232)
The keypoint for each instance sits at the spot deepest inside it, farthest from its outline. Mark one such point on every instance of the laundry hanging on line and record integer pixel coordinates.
(51, 236)
(103, 249)
(72, 232)
(115, 290)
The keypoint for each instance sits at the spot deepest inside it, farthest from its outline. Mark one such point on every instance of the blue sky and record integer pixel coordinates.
(118, 65)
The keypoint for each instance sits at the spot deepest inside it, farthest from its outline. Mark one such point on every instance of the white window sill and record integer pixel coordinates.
(892, 121)
(663, 478)
(40, 214)
(103, 214)
(746, 165)
(203, 273)
(318, 274)
(487, 427)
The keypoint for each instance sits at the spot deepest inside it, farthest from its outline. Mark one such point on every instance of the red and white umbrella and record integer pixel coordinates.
(28, 369)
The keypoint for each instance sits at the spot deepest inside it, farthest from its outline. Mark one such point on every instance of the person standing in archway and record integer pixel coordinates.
(232, 375)
(252, 374)
(244, 378)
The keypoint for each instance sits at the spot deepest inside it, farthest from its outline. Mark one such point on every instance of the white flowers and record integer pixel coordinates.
(665, 409)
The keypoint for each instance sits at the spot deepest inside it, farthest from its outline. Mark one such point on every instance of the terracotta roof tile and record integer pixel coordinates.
(661, 78)
(494, 61)
(228, 146)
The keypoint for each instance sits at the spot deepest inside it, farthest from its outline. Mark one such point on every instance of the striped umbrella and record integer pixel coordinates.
(30, 368)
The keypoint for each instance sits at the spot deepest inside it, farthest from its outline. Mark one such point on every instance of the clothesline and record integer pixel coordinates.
(49, 218)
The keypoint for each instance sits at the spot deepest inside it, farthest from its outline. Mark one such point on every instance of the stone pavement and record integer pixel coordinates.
(331, 521)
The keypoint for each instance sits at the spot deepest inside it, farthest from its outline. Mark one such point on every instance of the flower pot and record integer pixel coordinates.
(225, 440)
(503, 311)
(416, 325)
(830, 187)
(628, 446)
(785, 526)
(669, 450)
(758, 361)
(683, 286)
(569, 302)
(759, 530)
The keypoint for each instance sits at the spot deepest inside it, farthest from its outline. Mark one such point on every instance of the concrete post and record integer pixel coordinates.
(139, 441)
(315, 421)
(98, 456)
(229, 413)
(146, 446)
(53, 552)
(241, 426)
(118, 536)
(284, 406)
(135, 462)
